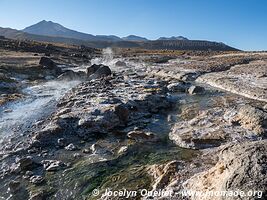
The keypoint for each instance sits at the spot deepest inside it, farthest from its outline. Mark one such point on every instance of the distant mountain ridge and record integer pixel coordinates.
(173, 38)
(47, 31)
(49, 28)
(134, 38)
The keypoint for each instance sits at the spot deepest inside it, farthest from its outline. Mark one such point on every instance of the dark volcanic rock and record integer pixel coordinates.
(47, 62)
(14, 186)
(26, 163)
(103, 71)
(98, 71)
(7, 84)
(17, 190)
(92, 69)
(122, 112)
(50, 64)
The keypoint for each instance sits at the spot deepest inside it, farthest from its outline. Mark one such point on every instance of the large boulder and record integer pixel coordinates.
(47, 62)
(98, 71)
(103, 71)
(240, 167)
(50, 64)
(92, 69)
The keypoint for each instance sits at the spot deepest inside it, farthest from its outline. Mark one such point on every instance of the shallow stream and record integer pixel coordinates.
(39, 101)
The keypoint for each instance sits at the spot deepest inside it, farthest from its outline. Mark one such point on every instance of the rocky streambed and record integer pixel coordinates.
(138, 126)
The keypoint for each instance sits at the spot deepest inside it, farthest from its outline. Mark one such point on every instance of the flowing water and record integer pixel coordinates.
(39, 101)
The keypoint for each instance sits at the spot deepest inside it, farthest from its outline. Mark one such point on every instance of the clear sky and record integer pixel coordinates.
(239, 23)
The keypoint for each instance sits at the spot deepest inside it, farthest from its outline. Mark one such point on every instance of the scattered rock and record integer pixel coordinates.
(178, 87)
(140, 135)
(61, 142)
(37, 196)
(25, 163)
(87, 151)
(122, 150)
(190, 77)
(44, 136)
(36, 179)
(52, 165)
(98, 149)
(189, 140)
(28, 174)
(122, 112)
(14, 186)
(77, 155)
(101, 123)
(7, 83)
(195, 90)
(71, 147)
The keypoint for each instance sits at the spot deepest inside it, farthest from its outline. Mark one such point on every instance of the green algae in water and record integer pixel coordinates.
(127, 171)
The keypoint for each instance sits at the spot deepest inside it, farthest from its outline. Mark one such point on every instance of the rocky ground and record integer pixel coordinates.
(162, 121)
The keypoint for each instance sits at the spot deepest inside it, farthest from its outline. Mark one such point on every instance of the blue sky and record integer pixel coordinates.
(239, 23)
